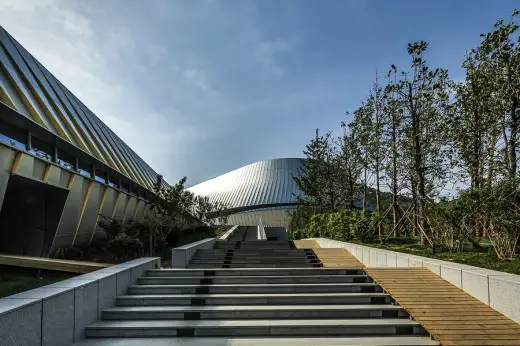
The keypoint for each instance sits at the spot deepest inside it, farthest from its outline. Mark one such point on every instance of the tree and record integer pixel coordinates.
(350, 167)
(498, 60)
(312, 180)
(366, 128)
(423, 95)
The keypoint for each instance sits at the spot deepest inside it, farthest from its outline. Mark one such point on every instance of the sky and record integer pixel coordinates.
(201, 87)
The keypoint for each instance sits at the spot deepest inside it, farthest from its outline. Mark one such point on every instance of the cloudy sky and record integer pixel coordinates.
(201, 87)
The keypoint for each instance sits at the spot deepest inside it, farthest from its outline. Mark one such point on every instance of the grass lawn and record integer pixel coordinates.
(484, 257)
(15, 280)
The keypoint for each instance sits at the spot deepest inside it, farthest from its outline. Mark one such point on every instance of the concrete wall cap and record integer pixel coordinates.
(41, 293)
(10, 305)
(189, 246)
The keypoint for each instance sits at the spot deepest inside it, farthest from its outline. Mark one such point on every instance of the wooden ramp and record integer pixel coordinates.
(51, 264)
(330, 257)
(449, 314)
(306, 244)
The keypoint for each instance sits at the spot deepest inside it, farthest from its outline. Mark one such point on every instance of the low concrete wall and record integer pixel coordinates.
(497, 289)
(182, 255)
(229, 233)
(57, 314)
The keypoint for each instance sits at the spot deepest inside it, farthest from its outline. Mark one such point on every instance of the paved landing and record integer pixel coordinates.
(449, 314)
(51, 264)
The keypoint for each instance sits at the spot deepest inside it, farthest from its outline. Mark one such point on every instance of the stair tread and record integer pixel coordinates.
(255, 295)
(344, 284)
(251, 323)
(324, 269)
(253, 276)
(315, 341)
(251, 307)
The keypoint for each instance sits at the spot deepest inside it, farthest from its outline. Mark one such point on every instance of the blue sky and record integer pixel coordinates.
(201, 87)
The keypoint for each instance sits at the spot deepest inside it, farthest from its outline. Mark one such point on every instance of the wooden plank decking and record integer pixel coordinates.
(330, 257)
(51, 264)
(449, 314)
(306, 244)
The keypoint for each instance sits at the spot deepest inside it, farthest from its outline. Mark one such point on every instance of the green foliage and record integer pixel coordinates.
(363, 227)
(343, 225)
(420, 134)
(339, 224)
(124, 247)
(318, 225)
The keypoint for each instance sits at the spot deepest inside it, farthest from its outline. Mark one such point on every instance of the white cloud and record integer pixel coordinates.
(162, 75)
(196, 78)
(97, 63)
(265, 53)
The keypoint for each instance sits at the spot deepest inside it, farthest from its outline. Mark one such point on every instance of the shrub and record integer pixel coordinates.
(124, 247)
(363, 227)
(318, 225)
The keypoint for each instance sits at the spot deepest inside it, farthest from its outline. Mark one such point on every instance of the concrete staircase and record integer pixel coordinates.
(254, 254)
(267, 291)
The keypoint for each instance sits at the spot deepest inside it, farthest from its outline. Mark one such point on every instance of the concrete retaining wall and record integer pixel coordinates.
(499, 290)
(57, 314)
(182, 255)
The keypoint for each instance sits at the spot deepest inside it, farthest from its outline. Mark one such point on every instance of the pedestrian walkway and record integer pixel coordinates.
(450, 315)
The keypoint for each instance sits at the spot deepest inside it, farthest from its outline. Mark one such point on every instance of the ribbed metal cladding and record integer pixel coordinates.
(30, 89)
(259, 184)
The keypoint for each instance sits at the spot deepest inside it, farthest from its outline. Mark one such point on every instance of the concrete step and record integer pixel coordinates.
(254, 250)
(253, 242)
(243, 246)
(253, 312)
(253, 272)
(252, 261)
(254, 255)
(253, 258)
(259, 341)
(249, 265)
(254, 299)
(255, 288)
(280, 327)
(242, 279)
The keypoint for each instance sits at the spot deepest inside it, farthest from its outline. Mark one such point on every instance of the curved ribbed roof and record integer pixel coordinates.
(259, 184)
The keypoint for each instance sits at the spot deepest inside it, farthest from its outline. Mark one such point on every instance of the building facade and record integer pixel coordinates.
(61, 167)
(260, 193)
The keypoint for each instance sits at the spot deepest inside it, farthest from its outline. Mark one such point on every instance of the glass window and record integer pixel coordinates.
(125, 187)
(66, 160)
(112, 182)
(41, 149)
(12, 135)
(84, 169)
(100, 176)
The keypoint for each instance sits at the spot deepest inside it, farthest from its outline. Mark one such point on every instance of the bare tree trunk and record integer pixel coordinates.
(512, 139)
(365, 190)
(418, 162)
(378, 192)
